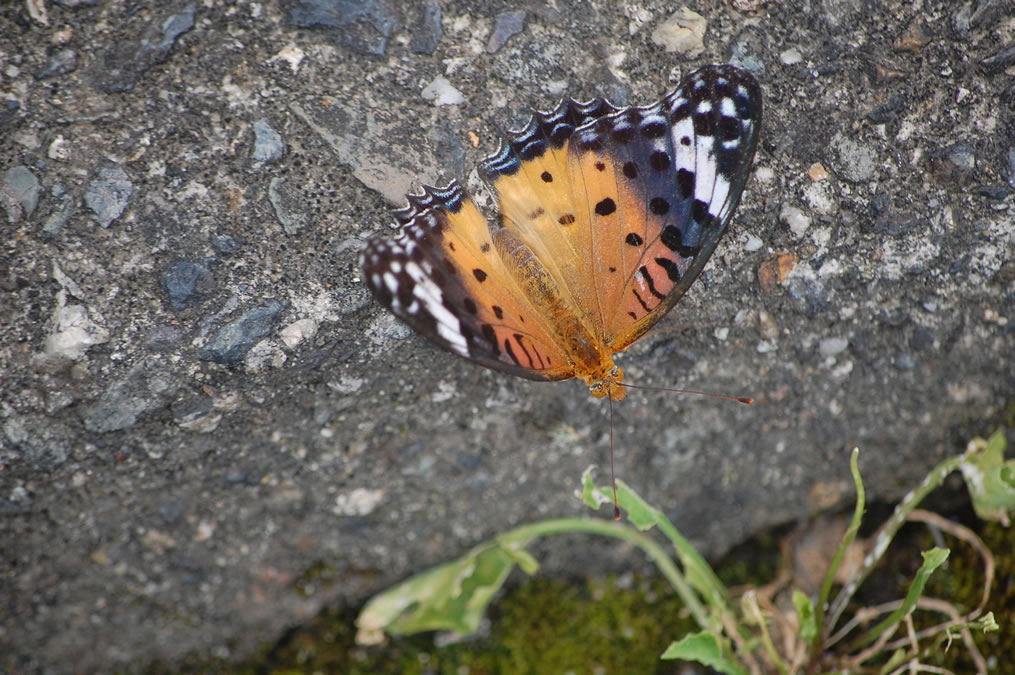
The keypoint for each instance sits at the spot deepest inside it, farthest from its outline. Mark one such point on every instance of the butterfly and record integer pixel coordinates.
(606, 217)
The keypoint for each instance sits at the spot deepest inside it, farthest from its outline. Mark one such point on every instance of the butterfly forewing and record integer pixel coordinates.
(530, 176)
(691, 156)
(442, 276)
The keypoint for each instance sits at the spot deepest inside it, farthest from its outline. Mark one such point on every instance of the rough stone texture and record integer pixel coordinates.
(153, 503)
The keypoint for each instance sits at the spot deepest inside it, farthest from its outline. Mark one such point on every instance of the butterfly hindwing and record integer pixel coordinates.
(442, 276)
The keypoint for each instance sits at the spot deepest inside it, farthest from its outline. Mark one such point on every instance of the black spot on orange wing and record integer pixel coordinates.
(606, 207)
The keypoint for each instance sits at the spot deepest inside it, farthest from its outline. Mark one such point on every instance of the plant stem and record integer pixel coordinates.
(522, 535)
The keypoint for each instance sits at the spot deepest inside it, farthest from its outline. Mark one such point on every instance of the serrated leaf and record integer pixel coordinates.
(705, 648)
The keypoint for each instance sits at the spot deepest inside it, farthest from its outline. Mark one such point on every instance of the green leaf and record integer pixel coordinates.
(805, 614)
(990, 480)
(705, 648)
(987, 623)
(450, 597)
(592, 495)
(932, 559)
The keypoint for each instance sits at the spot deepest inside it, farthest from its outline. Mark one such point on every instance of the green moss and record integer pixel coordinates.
(544, 625)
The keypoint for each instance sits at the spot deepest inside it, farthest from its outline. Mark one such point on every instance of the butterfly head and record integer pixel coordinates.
(608, 384)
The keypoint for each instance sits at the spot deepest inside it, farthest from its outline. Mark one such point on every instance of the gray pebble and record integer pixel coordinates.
(225, 245)
(427, 33)
(230, 343)
(108, 194)
(60, 62)
(180, 282)
(507, 24)
(268, 145)
(19, 193)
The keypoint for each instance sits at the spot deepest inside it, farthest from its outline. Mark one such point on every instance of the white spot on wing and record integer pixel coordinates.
(685, 153)
(429, 294)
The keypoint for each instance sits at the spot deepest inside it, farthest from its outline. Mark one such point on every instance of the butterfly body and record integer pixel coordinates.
(607, 215)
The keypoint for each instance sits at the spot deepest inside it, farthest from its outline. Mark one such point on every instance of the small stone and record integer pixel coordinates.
(61, 62)
(365, 26)
(145, 388)
(19, 193)
(162, 339)
(505, 25)
(53, 225)
(774, 269)
(905, 362)
(230, 343)
(811, 291)
(1000, 60)
(172, 510)
(358, 502)
(225, 245)
(441, 92)
(913, 40)
(857, 163)
(997, 192)
(832, 346)
(124, 62)
(819, 198)
(73, 333)
(287, 205)
(108, 194)
(34, 442)
(297, 332)
(817, 172)
(683, 32)
(795, 219)
(180, 282)
(1010, 167)
(59, 149)
(955, 163)
(767, 327)
(427, 33)
(790, 57)
(292, 55)
(888, 112)
(268, 145)
(922, 339)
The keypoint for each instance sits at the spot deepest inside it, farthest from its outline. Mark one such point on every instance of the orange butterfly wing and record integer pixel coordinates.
(630, 204)
(442, 276)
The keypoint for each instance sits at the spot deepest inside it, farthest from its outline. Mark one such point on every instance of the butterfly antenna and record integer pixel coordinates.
(738, 399)
(613, 474)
